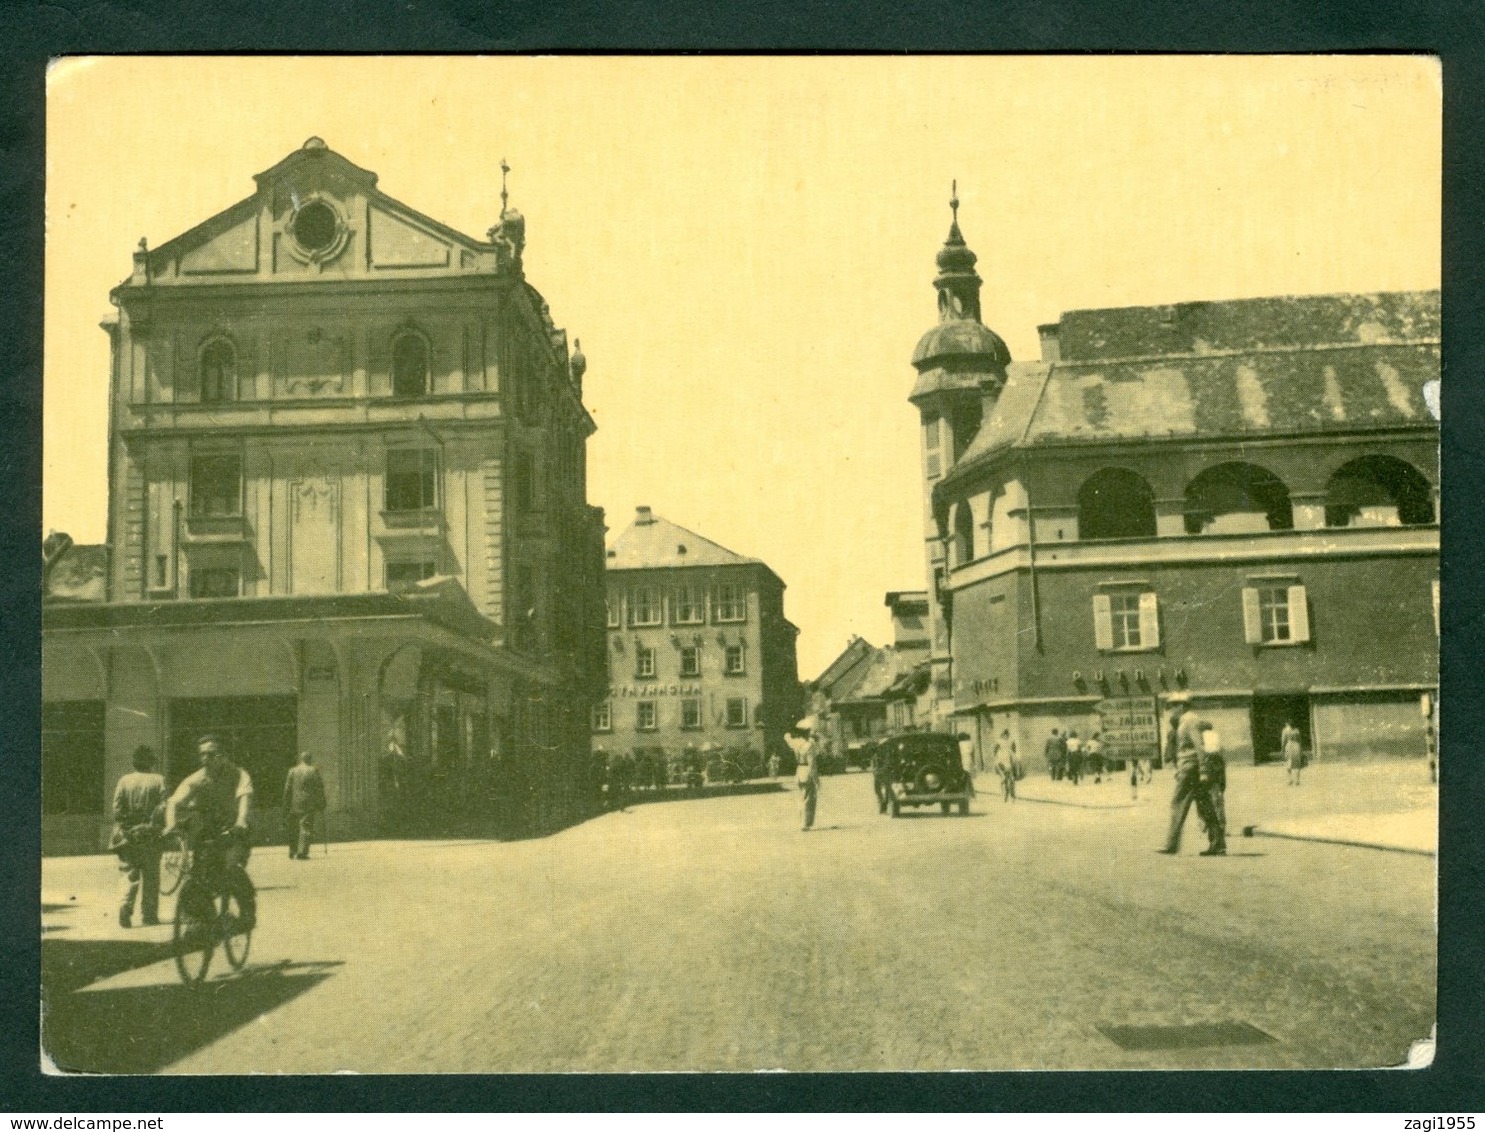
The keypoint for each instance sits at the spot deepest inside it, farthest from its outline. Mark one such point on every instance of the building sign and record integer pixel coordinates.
(1130, 726)
(616, 692)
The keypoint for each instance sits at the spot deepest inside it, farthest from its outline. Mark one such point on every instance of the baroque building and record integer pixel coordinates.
(347, 513)
(701, 657)
(1237, 500)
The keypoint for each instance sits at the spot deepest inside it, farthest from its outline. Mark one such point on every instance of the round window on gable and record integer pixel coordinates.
(316, 226)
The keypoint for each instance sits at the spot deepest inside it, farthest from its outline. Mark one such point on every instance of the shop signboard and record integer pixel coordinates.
(1131, 728)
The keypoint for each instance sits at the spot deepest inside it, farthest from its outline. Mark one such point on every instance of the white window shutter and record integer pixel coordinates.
(1252, 621)
(1103, 623)
(1149, 620)
(1436, 607)
(1299, 614)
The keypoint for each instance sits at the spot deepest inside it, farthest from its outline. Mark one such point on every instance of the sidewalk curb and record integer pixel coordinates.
(1256, 831)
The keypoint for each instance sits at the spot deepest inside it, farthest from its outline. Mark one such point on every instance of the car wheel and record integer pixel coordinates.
(944, 806)
(964, 808)
(896, 808)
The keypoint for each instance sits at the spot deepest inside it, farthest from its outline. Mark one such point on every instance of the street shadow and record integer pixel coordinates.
(1080, 805)
(143, 1029)
(919, 815)
(643, 797)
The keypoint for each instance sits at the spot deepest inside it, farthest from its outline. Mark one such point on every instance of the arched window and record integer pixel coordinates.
(218, 372)
(1378, 491)
(1116, 503)
(964, 534)
(1237, 498)
(409, 365)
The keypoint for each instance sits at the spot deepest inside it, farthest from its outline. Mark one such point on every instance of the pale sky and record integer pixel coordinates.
(745, 246)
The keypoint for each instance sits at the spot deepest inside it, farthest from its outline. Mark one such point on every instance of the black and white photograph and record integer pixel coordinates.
(660, 564)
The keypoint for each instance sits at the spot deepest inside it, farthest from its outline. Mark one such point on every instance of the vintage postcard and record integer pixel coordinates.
(646, 564)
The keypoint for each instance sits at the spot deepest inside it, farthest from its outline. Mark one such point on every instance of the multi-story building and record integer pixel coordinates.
(701, 657)
(346, 513)
(1235, 499)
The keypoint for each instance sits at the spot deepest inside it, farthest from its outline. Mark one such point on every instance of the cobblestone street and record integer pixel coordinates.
(710, 934)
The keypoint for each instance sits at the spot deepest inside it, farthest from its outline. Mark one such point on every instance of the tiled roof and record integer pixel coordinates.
(842, 673)
(651, 541)
(1232, 369)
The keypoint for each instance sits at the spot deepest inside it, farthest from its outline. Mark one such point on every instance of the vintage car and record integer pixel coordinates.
(920, 769)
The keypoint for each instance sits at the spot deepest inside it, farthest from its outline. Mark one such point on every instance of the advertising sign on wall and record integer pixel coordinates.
(1130, 726)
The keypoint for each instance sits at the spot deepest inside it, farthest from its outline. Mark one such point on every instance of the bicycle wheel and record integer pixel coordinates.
(175, 863)
(236, 938)
(194, 938)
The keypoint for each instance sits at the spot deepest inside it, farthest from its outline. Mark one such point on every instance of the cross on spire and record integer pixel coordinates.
(954, 198)
(504, 196)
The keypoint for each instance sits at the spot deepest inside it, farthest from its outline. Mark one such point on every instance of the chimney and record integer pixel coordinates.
(1051, 343)
(643, 516)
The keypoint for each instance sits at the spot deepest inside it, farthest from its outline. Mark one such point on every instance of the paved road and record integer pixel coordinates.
(712, 934)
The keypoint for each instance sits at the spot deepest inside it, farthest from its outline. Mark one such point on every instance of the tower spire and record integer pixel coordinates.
(504, 196)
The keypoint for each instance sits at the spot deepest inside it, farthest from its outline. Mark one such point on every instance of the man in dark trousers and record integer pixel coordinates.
(1191, 783)
(1056, 754)
(136, 837)
(304, 798)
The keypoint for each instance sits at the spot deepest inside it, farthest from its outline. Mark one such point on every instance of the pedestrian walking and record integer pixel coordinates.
(138, 814)
(304, 800)
(1190, 785)
(1093, 755)
(807, 743)
(1074, 757)
(1007, 765)
(1293, 753)
(1056, 755)
(1214, 777)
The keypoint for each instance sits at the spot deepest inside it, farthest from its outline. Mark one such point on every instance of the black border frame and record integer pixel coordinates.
(32, 32)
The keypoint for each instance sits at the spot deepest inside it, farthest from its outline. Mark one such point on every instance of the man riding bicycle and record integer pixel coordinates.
(215, 803)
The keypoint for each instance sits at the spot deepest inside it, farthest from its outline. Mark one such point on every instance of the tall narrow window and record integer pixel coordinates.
(690, 605)
(612, 604)
(218, 372)
(644, 606)
(216, 486)
(690, 715)
(732, 603)
(1126, 620)
(412, 479)
(409, 365)
(737, 712)
(1275, 613)
(735, 661)
(646, 718)
(603, 716)
(690, 661)
(644, 662)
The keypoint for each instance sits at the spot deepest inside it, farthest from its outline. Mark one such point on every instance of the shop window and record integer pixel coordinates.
(1378, 491)
(690, 715)
(409, 365)
(1275, 613)
(1116, 503)
(690, 605)
(1237, 498)
(72, 767)
(1126, 620)
(402, 575)
(737, 712)
(216, 580)
(216, 486)
(690, 661)
(412, 479)
(735, 660)
(218, 372)
(644, 662)
(646, 717)
(603, 716)
(644, 606)
(732, 603)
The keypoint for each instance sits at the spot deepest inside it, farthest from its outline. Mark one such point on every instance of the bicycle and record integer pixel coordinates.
(210, 911)
(175, 864)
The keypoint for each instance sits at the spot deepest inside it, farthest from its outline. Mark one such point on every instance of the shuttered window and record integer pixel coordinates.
(1275, 614)
(1126, 620)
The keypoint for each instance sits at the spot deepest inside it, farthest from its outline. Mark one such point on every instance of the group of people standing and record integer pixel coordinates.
(1069, 758)
(211, 809)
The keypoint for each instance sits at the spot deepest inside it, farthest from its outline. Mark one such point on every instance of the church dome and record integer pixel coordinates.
(961, 338)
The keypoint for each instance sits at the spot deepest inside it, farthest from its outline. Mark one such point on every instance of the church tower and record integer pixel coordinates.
(961, 366)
